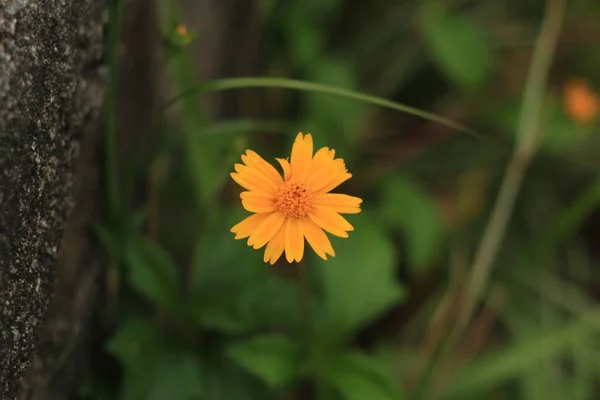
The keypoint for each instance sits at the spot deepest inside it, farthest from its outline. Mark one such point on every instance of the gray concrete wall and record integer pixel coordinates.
(49, 56)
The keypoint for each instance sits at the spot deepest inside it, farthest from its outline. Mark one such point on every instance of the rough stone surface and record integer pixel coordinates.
(48, 51)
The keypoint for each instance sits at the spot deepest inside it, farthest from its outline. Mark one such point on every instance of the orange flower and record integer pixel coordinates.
(580, 101)
(296, 206)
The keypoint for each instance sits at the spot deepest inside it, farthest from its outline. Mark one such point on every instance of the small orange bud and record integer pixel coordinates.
(181, 30)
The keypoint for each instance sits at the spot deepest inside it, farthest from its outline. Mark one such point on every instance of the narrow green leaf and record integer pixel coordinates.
(250, 82)
(273, 358)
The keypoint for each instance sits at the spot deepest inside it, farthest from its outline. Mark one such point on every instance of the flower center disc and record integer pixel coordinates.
(293, 200)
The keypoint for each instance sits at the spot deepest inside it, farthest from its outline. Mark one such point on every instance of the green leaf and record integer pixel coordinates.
(114, 240)
(496, 368)
(461, 47)
(359, 282)
(233, 289)
(176, 376)
(136, 345)
(357, 376)
(136, 341)
(275, 359)
(154, 369)
(224, 379)
(152, 272)
(405, 205)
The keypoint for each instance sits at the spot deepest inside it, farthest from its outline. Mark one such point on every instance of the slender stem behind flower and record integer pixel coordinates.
(528, 137)
(305, 299)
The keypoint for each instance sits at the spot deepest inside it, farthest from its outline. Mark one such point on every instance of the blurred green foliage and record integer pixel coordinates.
(199, 316)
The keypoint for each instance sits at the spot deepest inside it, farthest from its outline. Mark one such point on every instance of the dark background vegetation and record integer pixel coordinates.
(447, 289)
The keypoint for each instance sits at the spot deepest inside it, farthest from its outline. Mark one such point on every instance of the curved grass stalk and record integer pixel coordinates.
(293, 84)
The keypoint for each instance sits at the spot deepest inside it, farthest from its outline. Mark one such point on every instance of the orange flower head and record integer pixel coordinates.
(296, 206)
(580, 101)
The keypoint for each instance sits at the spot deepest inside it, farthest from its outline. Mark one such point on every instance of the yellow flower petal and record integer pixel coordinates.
(256, 177)
(256, 195)
(266, 230)
(331, 221)
(294, 240)
(322, 158)
(340, 203)
(317, 239)
(338, 199)
(342, 210)
(327, 173)
(335, 182)
(245, 183)
(258, 205)
(253, 160)
(285, 166)
(276, 245)
(302, 152)
(247, 226)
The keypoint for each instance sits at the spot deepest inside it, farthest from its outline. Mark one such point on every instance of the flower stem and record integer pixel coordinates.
(305, 298)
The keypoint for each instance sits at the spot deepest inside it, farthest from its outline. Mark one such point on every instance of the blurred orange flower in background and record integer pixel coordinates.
(296, 206)
(580, 101)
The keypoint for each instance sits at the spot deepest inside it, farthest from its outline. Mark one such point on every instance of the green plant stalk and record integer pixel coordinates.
(192, 114)
(110, 135)
(284, 83)
(528, 138)
(113, 200)
(305, 300)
